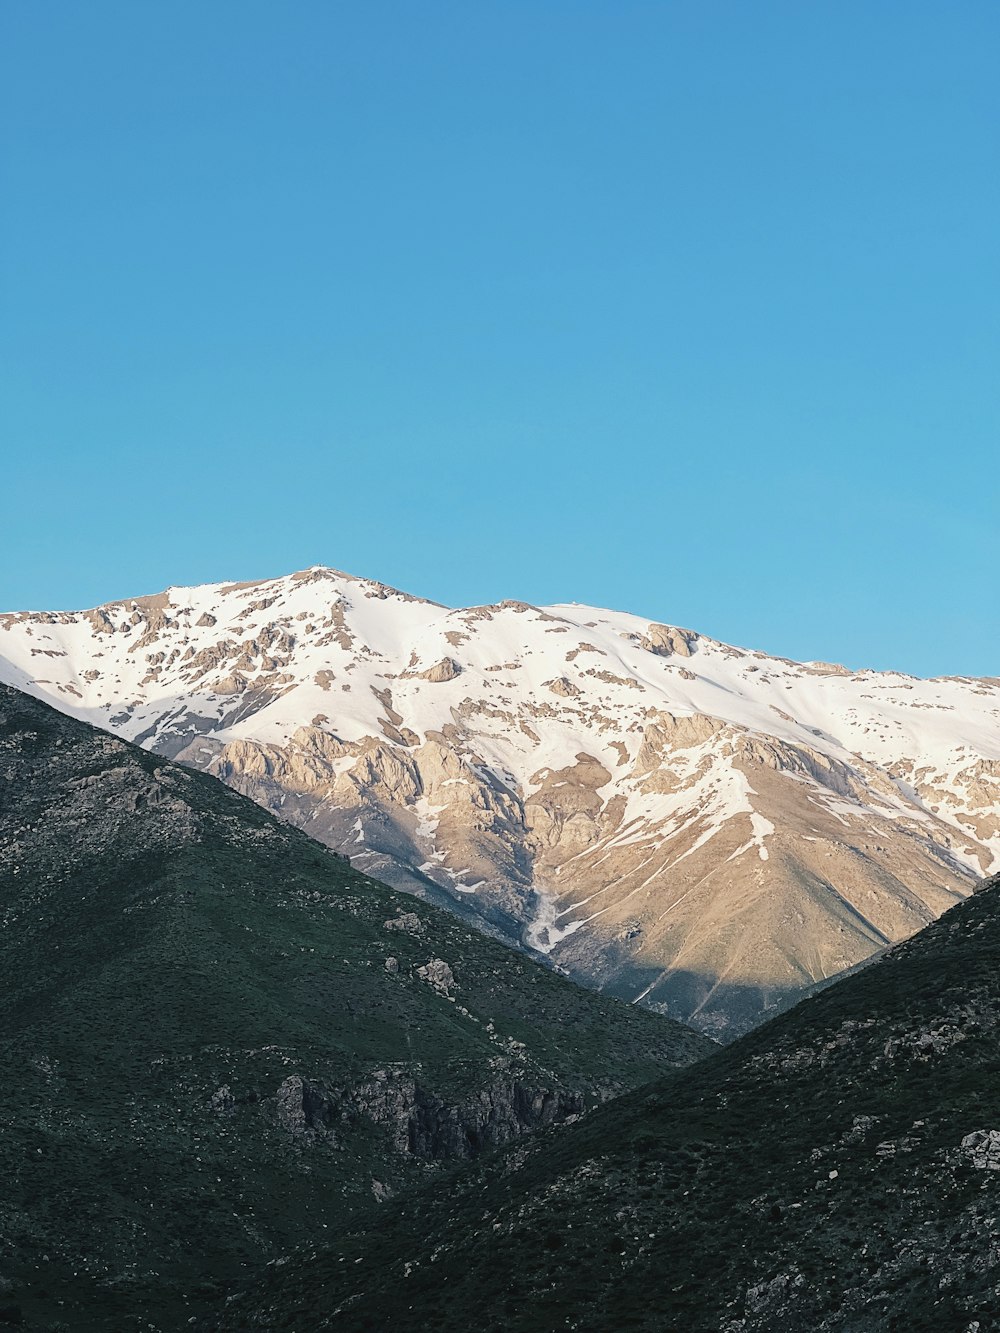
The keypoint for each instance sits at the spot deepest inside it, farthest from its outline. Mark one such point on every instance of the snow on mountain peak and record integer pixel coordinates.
(705, 826)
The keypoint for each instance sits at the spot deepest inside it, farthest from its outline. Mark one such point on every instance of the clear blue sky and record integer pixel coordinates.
(689, 308)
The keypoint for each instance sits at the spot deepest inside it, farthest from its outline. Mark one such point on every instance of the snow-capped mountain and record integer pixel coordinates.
(705, 829)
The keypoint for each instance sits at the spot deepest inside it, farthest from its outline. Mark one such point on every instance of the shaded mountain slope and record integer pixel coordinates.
(703, 828)
(838, 1169)
(218, 1040)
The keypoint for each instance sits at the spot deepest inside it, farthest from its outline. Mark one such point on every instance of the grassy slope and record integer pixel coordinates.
(170, 955)
(810, 1177)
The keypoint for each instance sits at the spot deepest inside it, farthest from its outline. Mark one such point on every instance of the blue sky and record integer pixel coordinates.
(689, 309)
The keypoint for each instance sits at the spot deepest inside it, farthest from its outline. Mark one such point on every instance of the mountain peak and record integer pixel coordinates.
(698, 827)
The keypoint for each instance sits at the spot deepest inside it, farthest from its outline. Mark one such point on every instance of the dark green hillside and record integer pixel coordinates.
(838, 1169)
(219, 1042)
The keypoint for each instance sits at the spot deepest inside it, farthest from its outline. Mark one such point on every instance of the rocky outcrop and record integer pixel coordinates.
(668, 641)
(446, 669)
(406, 921)
(303, 1109)
(419, 1123)
(496, 1116)
(564, 688)
(438, 975)
(982, 1149)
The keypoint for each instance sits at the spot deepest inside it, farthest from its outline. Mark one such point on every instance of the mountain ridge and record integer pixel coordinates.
(699, 828)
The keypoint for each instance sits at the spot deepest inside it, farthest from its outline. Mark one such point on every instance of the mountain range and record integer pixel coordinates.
(700, 829)
(218, 1040)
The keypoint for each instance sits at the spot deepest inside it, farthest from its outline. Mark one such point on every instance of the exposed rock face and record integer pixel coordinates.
(438, 974)
(406, 921)
(446, 669)
(302, 1108)
(706, 830)
(982, 1148)
(418, 1122)
(493, 1118)
(666, 641)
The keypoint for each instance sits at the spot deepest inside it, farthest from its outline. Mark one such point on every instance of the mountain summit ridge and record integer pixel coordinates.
(702, 828)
